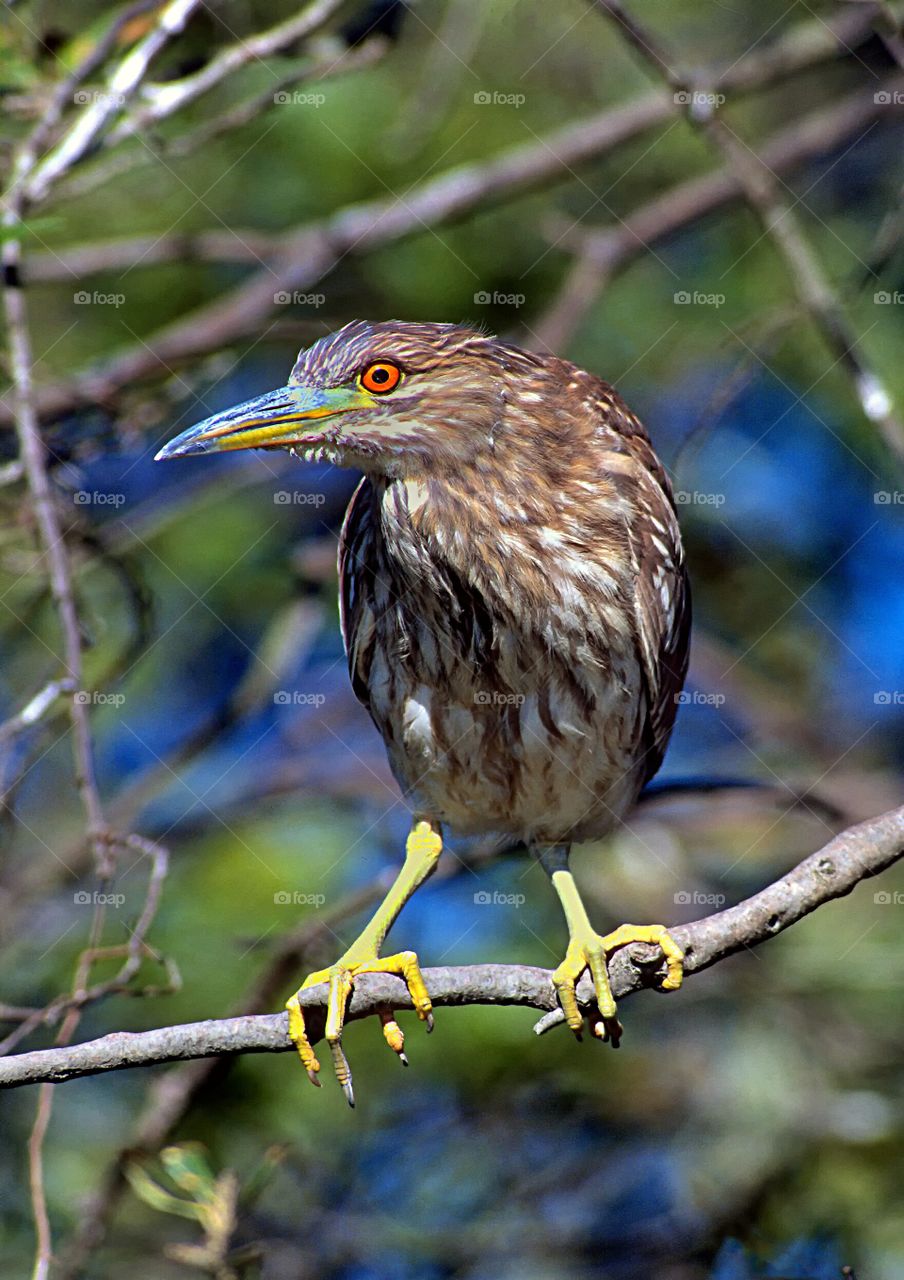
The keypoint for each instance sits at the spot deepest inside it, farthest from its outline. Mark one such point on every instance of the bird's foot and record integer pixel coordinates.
(590, 950)
(341, 977)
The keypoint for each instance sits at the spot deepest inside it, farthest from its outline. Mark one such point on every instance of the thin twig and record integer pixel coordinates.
(766, 196)
(600, 254)
(159, 101)
(313, 70)
(121, 85)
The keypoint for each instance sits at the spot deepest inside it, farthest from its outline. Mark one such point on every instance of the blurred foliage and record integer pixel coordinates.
(751, 1126)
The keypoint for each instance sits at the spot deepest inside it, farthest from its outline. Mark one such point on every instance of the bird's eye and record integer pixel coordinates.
(381, 377)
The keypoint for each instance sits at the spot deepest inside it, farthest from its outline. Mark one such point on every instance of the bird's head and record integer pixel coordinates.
(393, 398)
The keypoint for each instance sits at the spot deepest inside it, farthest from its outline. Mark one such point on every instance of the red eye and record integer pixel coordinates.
(381, 377)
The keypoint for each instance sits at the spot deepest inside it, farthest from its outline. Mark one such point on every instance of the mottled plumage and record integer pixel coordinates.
(516, 612)
(515, 607)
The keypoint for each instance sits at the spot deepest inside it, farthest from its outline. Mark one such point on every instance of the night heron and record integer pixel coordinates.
(514, 605)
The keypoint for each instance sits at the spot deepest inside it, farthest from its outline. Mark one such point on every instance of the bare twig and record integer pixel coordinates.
(766, 196)
(312, 70)
(36, 708)
(860, 852)
(600, 254)
(158, 101)
(120, 87)
(132, 953)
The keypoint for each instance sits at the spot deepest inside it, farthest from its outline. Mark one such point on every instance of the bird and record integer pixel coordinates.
(515, 610)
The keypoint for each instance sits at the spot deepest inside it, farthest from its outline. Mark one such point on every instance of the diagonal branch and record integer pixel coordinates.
(833, 871)
(769, 199)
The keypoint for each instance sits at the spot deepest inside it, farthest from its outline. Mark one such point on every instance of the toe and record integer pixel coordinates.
(564, 985)
(393, 1034)
(299, 1037)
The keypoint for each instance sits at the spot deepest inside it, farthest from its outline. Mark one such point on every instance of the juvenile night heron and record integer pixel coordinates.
(514, 606)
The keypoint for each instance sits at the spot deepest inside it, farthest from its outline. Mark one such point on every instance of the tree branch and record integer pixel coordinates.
(304, 255)
(854, 855)
(772, 202)
(600, 253)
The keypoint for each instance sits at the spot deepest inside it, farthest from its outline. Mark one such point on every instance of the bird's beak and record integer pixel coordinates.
(290, 415)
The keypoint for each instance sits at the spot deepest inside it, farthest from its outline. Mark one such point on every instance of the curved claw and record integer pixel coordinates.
(590, 951)
(393, 1034)
(341, 977)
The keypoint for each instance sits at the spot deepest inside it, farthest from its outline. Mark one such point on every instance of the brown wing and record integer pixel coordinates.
(356, 591)
(662, 601)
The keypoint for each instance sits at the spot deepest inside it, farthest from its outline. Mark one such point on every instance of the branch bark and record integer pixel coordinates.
(833, 871)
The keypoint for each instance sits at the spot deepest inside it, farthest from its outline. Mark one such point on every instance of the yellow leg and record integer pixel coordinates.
(588, 950)
(363, 956)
